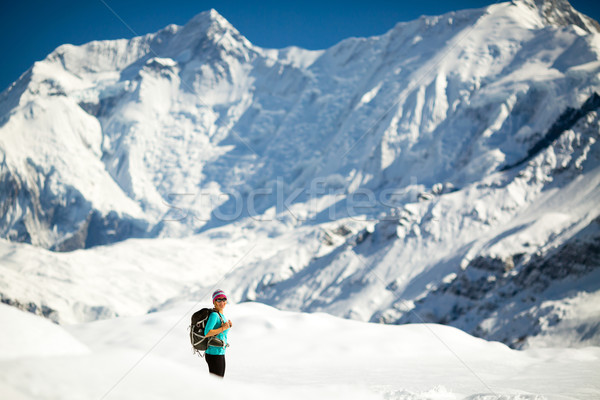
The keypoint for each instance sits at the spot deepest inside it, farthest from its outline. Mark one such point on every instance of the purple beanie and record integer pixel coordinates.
(218, 294)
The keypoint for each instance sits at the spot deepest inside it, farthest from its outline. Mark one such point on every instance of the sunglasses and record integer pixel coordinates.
(220, 300)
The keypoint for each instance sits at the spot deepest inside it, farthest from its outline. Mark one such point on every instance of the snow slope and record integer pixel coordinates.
(446, 171)
(291, 355)
(26, 335)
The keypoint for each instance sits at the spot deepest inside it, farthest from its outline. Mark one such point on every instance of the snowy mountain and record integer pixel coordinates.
(446, 171)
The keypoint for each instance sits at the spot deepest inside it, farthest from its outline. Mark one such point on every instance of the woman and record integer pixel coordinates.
(217, 325)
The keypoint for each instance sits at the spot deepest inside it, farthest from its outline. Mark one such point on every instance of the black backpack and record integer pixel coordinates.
(199, 341)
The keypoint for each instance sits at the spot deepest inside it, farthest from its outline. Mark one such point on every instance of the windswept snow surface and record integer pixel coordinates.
(289, 355)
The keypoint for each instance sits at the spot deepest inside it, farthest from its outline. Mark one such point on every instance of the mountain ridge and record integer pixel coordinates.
(371, 175)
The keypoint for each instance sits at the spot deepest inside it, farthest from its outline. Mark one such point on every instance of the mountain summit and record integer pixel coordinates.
(447, 169)
(561, 13)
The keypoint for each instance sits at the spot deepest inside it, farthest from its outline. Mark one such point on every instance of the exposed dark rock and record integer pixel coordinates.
(38, 309)
(565, 122)
(560, 12)
(488, 287)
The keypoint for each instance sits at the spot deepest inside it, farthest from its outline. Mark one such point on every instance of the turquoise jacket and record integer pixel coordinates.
(214, 322)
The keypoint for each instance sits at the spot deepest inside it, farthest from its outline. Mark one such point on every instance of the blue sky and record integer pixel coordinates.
(30, 29)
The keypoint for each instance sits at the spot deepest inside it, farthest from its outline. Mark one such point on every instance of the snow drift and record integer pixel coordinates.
(288, 355)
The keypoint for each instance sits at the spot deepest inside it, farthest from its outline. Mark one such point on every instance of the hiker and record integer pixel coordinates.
(217, 325)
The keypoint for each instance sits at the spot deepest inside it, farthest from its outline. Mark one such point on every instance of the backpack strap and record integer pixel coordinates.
(224, 345)
(219, 314)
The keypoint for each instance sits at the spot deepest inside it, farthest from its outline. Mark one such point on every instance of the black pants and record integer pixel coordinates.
(216, 364)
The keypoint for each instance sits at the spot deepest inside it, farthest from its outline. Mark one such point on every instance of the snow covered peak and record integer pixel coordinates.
(210, 18)
(450, 143)
(197, 107)
(561, 13)
(207, 23)
(213, 26)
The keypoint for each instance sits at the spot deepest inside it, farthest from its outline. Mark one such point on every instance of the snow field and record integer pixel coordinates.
(280, 355)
